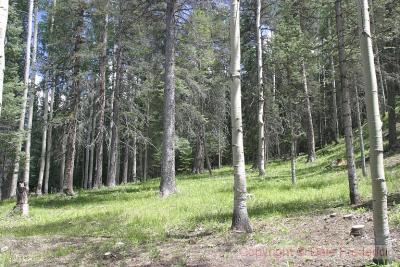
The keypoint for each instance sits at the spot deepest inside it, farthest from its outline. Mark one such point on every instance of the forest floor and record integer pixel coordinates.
(130, 225)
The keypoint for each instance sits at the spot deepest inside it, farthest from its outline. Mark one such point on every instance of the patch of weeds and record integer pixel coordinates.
(5, 259)
(180, 261)
(62, 251)
(393, 264)
(154, 253)
(262, 238)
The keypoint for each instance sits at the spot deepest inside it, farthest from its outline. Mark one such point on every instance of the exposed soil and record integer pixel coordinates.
(309, 240)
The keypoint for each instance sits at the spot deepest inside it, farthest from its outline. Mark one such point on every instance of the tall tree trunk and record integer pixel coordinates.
(309, 120)
(335, 120)
(383, 246)
(49, 142)
(198, 165)
(44, 142)
(293, 159)
(75, 99)
(3, 28)
(208, 162)
(62, 160)
(168, 183)
(87, 183)
(134, 159)
(114, 147)
(146, 145)
(219, 149)
(31, 100)
(48, 120)
(360, 130)
(346, 108)
(92, 147)
(14, 178)
(126, 164)
(240, 218)
(98, 180)
(260, 84)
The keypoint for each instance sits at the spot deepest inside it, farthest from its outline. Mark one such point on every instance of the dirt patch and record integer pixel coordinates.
(312, 240)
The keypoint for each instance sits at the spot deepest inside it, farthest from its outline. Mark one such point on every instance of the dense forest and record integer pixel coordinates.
(95, 94)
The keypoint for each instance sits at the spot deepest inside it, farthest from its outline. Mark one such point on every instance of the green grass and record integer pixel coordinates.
(135, 213)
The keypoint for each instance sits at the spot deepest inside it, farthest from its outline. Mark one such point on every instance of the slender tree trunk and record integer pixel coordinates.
(168, 183)
(44, 142)
(49, 142)
(48, 121)
(219, 149)
(3, 28)
(383, 246)
(240, 218)
(261, 136)
(31, 100)
(75, 99)
(134, 159)
(92, 147)
(126, 164)
(14, 178)
(114, 148)
(146, 145)
(98, 180)
(310, 125)
(87, 182)
(346, 108)
(293, 160)
(360, 130)
(335, 120)
(62, 161)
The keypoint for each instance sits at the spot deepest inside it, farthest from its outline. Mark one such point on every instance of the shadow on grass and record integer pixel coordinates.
(94, 197)
(290, 208)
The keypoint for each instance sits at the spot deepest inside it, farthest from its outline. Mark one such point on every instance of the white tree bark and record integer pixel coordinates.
(3, 28)
(20, 139)
(383, 247)
(32, 95)
(310, 125)
(261, 132)
(240, 219)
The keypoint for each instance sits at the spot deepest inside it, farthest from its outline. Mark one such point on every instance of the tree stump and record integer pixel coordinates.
(22, 199)
(357, 230)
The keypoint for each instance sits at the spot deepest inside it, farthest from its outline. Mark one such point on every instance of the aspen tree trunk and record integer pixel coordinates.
(114, 147)
(3, 28)
(92, 147)
(62, 160)
(360, 130)
(126, 164)
(240, 218)
(293, 159)
(72, 124)
(383, 246)
(260, 83)
(310, 125)
(219, 149)
(335, 120)
(20, 139)
(146, 145)
(208, 162)
(98, 180)
(168, 183)
(44, 143)
(31, 99)
(48, 120)
(134, 159)
(49, 142)
(89, 144)
(346, 108)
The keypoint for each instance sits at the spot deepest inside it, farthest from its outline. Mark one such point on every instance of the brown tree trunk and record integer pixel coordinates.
(98, 180)
(126, 164)
(168, 184)
(346, 108)
(75, 99)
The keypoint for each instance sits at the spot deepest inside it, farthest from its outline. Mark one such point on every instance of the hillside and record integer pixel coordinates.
(131, 226)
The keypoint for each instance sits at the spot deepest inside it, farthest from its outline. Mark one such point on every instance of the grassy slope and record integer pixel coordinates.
(135, 213)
